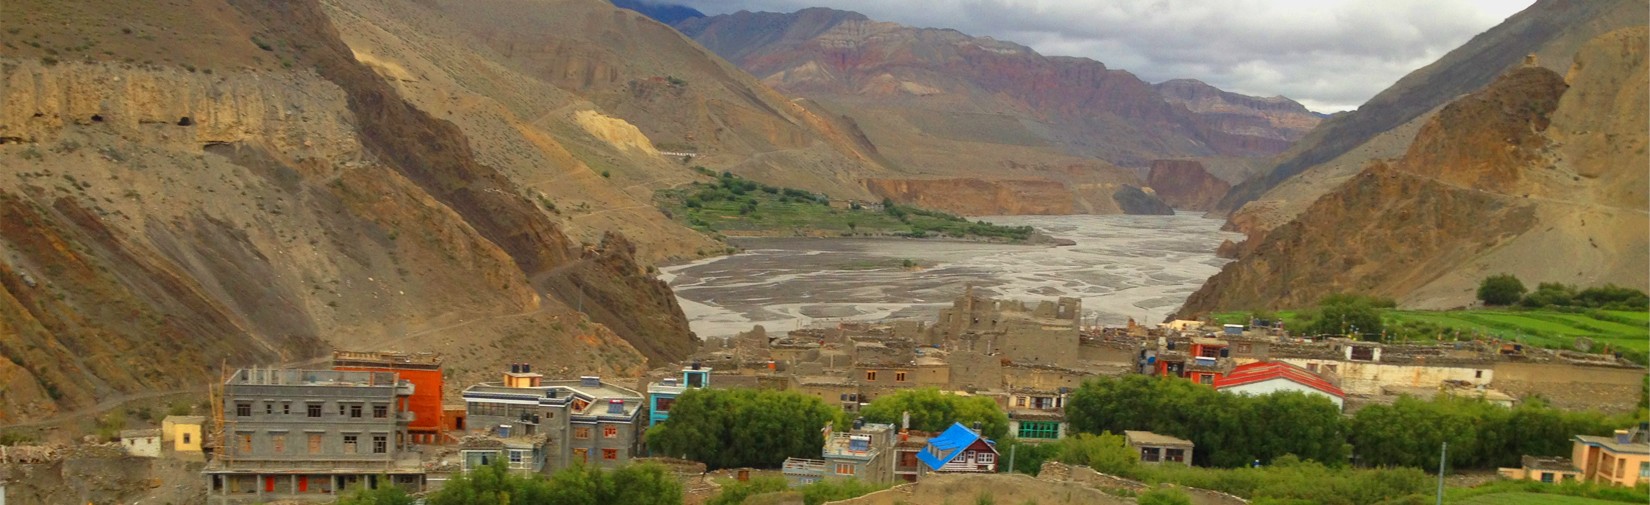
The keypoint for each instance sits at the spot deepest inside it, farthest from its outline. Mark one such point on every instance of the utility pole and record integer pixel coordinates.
(1441, 453)
(1011, 450)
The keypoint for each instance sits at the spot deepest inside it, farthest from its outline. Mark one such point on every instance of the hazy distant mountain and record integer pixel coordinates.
(941, 103)
(661, 12)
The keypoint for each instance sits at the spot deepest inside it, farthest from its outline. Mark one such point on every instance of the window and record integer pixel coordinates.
(1207, 378)
(1019, 401)
(519, 459)
(899, 376)
(313, 409)
(663, 404)
(314, 443)
(341, 410)
(1042, 430)
(1175, 455)
(286, 408)
(380, 444)
(349, 444)
(1547, 477)
(1644, 469)
(1478, 374)
(380, 411)
(844, 468)
(355, 410)
(246, 442)
(243, 409)
(186, 438)
(581, 455)
(610, 431)
(581, 433)
(985, 458)
(610, 454)
(870, 375)
(269, 407)
(1312, 367)
(277, 443)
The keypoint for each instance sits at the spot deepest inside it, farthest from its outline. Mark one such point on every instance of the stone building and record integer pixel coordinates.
(307, 435)
(549, 425)
(1155, 448)
(1045, 335)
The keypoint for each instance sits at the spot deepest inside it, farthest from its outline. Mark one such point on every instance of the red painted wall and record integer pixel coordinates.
(425, 402)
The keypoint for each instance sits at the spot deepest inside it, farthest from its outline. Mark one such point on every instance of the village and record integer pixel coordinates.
(381, 418)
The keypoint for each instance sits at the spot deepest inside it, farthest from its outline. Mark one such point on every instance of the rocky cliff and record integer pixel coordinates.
(1550, 31)
(194, 184)
(942, 104)
(1185, 184)
(1515, 178)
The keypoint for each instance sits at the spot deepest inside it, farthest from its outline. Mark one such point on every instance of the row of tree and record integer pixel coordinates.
(495, 484)
(731, 428)
(1507, 289)
(1236, 430)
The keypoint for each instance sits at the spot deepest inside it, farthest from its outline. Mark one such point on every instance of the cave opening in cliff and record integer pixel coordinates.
(185, 121)
(97, 118)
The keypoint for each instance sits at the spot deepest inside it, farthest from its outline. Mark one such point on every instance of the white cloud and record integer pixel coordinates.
(1328, 54)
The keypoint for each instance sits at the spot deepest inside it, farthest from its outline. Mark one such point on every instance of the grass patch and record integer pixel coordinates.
(734, 205)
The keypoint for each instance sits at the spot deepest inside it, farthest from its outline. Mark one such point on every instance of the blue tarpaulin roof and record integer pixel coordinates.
(948, 444)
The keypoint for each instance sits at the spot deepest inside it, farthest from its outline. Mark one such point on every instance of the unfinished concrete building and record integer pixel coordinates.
(307, 435)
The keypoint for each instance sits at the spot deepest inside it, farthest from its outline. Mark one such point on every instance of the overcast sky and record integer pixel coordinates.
(1330, 55)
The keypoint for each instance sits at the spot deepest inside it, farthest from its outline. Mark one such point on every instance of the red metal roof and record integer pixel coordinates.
(1261, 371)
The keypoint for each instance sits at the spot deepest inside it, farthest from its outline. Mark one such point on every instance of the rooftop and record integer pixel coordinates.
(1623, 442)
(387, 359)
(1155, 440)
(1551, 464)
(592, 390)
(152, 432)
(1267, 370)
(297, 377)
(185, 419)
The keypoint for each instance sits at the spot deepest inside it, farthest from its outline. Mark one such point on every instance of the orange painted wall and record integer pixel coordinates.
(425, 402)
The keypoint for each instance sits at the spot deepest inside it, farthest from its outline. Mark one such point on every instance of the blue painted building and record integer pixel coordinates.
(661, 396)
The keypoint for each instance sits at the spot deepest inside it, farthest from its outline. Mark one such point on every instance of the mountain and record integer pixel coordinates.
(661, 12)
(1382, 128)
(192, 184)
(1537, 174)
(940, 104)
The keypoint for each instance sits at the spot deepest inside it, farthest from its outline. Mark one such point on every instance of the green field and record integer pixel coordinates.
(735, 206)
(1627, 331)
(1531, 499)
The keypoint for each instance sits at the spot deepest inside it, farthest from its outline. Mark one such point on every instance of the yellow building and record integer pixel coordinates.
(1549, 470)
(184, 432)
(1622, 459)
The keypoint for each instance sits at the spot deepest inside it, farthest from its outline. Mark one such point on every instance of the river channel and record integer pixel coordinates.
(1142, 267)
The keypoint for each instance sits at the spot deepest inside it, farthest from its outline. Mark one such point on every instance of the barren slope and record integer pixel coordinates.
(1550, 30)
(1536, 175)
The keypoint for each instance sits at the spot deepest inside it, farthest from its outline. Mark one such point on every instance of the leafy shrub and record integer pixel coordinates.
(1503, 289)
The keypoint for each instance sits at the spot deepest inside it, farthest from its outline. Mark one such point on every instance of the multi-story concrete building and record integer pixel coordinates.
(661, 396)
(1037, 415)
(422, 369)
(865, 453)
(547, 425)
(300, 435)
(1622, 459)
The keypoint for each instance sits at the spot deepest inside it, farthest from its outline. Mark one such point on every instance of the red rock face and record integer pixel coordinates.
(1185, 184)
(1094, 110)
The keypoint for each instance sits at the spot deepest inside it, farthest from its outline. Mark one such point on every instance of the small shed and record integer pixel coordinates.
(141, 443)
(1155, 448)
(183, 432)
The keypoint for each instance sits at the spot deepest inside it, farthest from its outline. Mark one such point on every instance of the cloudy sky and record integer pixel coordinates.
(1330, 55)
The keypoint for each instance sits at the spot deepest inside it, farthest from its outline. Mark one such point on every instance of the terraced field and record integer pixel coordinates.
(1626, 331)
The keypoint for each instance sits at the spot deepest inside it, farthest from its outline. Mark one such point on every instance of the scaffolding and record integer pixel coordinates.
(217, 439)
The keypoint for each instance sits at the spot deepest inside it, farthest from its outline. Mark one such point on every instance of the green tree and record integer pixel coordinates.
(1503, 289)
(1549, 294)
(637, 484)
(932, 410)
(715, 427)
(1105, 453)
(1342, 314)
(384, 495)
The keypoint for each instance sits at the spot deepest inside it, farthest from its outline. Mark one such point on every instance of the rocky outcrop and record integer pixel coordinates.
(1497, 181)
(1549, 30)
(616, 291)
(1133, 200)
(1184, 184)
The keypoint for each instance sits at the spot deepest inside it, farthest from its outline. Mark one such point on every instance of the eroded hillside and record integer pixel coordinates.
(1550, 31)
(1537, 175)
(192, 183)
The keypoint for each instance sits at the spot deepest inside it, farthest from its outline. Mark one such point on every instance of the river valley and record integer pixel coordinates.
(1121, 266)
